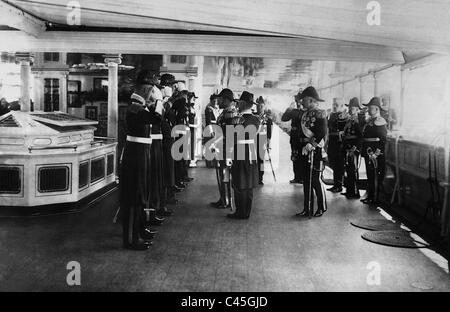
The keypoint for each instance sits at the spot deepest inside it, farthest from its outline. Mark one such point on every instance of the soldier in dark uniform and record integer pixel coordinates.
(264, 135)
(193, 128)
(245, 167)
(229, 116)
(168, 170)
(374, 140)
(212, 112)
(336, 123)
(135, 173)
(157, 165)
(4, 107)
(179, 117)
(294, 115)
(313, 132)
(352, 149)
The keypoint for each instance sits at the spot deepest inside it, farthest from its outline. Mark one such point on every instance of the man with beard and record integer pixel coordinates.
(313, 130)
(336, 123)
(374, 141)
(352, 148)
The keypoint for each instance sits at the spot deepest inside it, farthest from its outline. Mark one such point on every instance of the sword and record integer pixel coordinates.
(375, 169)
(116, 215)
(311, 168)
(271, 165)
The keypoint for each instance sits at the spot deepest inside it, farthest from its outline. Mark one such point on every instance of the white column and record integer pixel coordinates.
(63, 92)
(113, 62)
(25, 60)
(192, 73)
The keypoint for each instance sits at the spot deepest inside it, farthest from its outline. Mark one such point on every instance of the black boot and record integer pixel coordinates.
(164, 212)
(153, 219)
(138, 246)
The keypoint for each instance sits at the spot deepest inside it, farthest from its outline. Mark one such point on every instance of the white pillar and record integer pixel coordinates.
(192, 74)
(113, 62)
(25, 60)
(375, 84)
(63, 92)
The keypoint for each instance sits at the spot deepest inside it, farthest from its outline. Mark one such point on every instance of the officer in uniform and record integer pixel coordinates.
(294, 115)
(336, 123)
(179, 117)
(245, 167)
(168, 170)
(193, 127)
(373, 144)
(135, 173)
(212, 112)
(264, 135)
(313, 130)
(352, 148)
(229, 116)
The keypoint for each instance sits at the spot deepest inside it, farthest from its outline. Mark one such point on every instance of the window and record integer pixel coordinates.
(97, 169)
(73, 93)
(424, 103)
(51, 95)
(51, 57)
(83, 175)
(10, 180)
(178, 59)
(53, 179)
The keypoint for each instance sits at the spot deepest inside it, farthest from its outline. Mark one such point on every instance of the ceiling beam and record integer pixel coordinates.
(19, 19)
(404, 24)
(206, 45)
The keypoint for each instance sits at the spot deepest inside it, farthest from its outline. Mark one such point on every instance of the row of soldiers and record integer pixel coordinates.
(238, 176)
(149, 175)
(212, 113)
(353, 134)
(340, 138)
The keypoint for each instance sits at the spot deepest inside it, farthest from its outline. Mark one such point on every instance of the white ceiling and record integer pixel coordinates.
(405, 24)
(299, 35)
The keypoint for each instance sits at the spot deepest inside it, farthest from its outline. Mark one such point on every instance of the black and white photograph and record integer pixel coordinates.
(225, 152)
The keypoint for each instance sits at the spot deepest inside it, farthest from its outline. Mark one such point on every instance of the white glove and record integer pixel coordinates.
(155, 94)
(167, 92)
(159, 106)
(307, 149)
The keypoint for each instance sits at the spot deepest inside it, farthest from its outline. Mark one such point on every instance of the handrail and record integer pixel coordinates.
(32, 148)
(105, 138)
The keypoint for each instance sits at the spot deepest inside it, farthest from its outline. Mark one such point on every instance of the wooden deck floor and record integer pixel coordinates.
(198, 249)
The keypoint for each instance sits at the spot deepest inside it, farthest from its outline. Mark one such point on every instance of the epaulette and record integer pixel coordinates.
(380, 121)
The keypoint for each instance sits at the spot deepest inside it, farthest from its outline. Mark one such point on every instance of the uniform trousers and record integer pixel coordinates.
(373, 193)
(316, 183)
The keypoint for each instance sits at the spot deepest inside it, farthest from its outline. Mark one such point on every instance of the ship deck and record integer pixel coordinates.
(199, 249)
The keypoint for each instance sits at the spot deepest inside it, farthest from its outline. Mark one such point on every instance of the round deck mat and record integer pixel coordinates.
(375, 224)
(393, 238)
